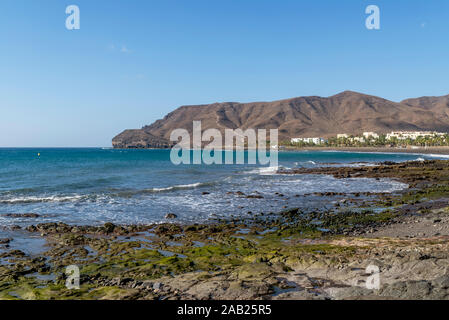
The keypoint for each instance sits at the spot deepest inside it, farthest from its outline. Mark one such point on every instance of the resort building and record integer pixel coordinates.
(413, 135)
(370, 135)
(357, 139)
(308, 140)
(342, 135)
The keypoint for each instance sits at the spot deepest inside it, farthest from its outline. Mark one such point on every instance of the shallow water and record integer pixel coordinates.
(23, 241)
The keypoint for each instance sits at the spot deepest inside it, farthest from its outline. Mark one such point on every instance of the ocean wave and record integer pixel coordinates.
(99, 198)
(34, 199)
(265, 171)
(443, 156)
(181, 186)
(165, 189)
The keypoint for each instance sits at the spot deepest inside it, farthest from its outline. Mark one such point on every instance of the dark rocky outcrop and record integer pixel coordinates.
(139, 139)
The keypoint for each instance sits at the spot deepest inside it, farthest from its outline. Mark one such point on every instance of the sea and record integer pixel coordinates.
(91, 186)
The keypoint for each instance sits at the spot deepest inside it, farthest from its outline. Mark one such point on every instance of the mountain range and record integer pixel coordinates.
(312, 116)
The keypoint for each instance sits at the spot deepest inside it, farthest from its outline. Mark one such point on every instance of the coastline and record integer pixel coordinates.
(419, 150)
(443, 150)
(283, 255)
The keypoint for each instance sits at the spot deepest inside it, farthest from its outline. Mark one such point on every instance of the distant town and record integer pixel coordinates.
(373, 139)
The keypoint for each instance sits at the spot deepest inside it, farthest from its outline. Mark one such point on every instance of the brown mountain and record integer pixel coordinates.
(438, 105)
(347, 112)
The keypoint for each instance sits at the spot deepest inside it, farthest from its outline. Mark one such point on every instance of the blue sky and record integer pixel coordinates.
(134, 61)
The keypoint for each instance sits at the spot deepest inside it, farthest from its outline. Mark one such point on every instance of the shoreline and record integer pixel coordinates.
(444, 150)
(281, 255)
(420, 150)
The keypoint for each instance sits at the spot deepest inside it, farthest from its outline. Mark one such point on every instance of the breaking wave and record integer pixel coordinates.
(166, 189)
(33, 199)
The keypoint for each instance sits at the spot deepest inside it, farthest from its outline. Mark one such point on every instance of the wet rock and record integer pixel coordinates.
(109, 227)
(5, 240)
(72, 239)
(213, 229)
(191, 228)
(170, 216)
(14, 253)
(31, 228)
(22, 215)
(290, 212)
(63, 228)
(49, 228)
(254, 196)
(167, 229)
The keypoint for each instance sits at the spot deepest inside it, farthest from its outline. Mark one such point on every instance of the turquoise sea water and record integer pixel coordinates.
(93, 186)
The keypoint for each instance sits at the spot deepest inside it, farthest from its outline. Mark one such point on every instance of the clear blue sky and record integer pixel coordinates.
(134, 61)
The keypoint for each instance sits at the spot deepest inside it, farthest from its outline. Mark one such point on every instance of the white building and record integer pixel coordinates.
(413, 135)
(369, 135)
(342, 135)
(357, 139)
(308, 140)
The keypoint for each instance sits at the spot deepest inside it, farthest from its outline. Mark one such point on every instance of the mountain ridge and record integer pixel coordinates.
(306, 116)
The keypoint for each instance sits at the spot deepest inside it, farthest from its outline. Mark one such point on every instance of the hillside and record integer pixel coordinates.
(438, 105)
(347, 112)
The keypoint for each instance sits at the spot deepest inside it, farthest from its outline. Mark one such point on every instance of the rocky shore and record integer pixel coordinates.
(282, 255)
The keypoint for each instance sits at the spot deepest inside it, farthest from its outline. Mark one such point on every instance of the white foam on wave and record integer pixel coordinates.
(268, 171)
(34, 199)
(181, 186)
(303, 184)
(164, 189)
(443, 156)
(430, 155)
